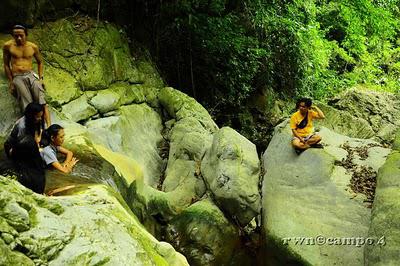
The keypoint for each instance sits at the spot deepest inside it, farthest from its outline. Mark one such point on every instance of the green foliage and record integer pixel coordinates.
(214, 50)
(328, 45)
(226, 50)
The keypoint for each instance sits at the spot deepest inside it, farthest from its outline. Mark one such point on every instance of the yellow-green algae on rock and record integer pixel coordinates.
(385, 222)
(128, 168)
(91, 227)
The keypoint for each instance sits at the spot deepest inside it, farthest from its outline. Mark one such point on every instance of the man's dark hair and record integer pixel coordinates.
(19, 27)
(307, 101)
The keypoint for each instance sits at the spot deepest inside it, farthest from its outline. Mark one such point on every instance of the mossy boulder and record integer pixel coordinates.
(79, 109)
(188, 142)
(61, 87)
(385, 226)
(179, 105)
(86, 55)
(136, 132)
(344, 123)
(231, 170)
(89, 227)
(380, 110)
(204, 234)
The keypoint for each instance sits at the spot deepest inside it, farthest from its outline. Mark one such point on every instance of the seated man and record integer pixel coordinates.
(302, 126)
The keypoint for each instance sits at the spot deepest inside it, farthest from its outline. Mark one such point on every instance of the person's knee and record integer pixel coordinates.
(295, 143)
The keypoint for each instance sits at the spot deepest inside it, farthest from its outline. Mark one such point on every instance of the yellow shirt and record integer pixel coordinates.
(298, 117)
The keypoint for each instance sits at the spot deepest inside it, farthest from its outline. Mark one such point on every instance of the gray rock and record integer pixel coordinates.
(307, 195)
(105, 101)
(79, 109)
(231, 171)
(204, 234)
(385, 227)
(377, 108)
(179, 106)
(344, 123)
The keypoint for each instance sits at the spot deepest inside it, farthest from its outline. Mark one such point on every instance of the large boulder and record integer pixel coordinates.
(197, 232)
(381, 110)
(344, 123)
(85, 55)
(136, 132)
(231, 170)
(89, 227)
(385, 227)
(307, 198)
(188, 141)
(179, 105)
(189, 135)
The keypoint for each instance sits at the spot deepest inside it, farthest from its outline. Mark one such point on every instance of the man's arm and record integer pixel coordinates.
(320, 113)
(7, 68)
(297, 135)
(39, 61)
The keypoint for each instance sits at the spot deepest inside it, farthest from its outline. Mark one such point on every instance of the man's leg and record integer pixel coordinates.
(314, 139)
(37, 91)
(24, 96)
(46, 115)
(297, 144)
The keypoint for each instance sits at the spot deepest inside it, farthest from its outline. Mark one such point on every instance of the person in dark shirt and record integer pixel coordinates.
(22, 147)
(30, 124)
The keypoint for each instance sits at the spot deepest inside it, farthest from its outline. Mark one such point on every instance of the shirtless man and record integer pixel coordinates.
(23, 82)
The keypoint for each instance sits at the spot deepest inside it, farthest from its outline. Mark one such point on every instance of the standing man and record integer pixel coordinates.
(26, 85)
(301, 124)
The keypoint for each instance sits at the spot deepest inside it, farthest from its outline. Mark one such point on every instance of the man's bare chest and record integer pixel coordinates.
(21, 52)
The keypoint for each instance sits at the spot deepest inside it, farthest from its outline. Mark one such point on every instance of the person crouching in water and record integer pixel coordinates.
(301, 124)
(53, 138)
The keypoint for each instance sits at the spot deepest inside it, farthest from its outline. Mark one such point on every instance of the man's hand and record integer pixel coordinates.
(42, 84)
(13, 91)
(320, 113)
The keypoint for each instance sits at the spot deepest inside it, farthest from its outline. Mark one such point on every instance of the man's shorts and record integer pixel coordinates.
(307, 137)
(29, 89)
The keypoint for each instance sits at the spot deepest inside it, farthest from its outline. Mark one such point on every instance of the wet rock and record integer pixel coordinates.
(204, 235)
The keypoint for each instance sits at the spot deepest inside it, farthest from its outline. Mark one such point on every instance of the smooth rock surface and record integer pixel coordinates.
(307, 195)
(385, 222)
(231, 170)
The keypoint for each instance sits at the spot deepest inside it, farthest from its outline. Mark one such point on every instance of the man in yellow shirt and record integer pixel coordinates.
(301, 124)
